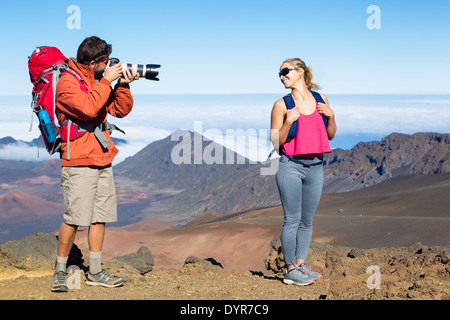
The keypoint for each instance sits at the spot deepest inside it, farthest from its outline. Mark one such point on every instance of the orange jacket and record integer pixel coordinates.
(91, 107)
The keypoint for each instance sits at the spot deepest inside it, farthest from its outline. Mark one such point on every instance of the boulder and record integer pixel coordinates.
(141, 260)
(35, 252)
(194, 264)
(275, 260)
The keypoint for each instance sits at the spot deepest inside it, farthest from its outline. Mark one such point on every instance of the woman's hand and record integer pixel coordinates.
(292, 115)
(325, 110)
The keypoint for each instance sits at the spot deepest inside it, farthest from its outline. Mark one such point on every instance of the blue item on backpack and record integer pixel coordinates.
(46, 125)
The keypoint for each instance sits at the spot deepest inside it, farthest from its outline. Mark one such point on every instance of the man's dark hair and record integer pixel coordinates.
(93, 48)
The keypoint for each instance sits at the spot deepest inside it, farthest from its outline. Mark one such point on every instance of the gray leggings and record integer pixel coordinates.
(300, 190)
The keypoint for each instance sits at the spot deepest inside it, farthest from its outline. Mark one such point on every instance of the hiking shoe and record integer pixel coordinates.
(305, 269)
(103, 278)
(297, 277)
(59, 282)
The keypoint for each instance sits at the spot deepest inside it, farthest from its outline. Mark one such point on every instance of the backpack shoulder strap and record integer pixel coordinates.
(317, 96)
(290, 103)
(319, 99)
(67, 70)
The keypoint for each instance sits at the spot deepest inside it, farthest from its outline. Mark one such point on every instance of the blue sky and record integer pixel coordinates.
(237, 46)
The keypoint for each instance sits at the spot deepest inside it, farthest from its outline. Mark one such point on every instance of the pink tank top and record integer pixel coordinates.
(312, 137)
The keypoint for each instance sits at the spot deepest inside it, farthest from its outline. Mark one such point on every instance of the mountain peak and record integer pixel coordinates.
(397, 154)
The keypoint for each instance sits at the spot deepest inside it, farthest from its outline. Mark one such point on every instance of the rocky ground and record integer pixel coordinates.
(413, 273)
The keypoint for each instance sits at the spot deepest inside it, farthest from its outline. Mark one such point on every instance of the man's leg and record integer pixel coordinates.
(78, 186)
(105, 211)
(66, 238)
(95, 239)
(97, 276)
(65, 241)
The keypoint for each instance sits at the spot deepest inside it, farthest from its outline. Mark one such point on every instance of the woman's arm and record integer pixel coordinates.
(324, 109)
(281, 121)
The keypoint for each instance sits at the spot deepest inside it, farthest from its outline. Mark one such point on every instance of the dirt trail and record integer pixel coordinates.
(417, 272)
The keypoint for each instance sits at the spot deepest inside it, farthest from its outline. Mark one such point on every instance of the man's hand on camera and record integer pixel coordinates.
(128, 76)
(112, 73)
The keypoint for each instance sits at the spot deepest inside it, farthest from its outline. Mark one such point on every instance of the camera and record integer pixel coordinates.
(147, 71)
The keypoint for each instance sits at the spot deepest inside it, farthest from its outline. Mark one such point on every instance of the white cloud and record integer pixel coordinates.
(385, 120)
(137, 137)
(24, 152)
(156, 117)
(251, 143)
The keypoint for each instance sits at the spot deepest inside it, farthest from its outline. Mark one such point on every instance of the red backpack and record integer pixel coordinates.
(46, 65)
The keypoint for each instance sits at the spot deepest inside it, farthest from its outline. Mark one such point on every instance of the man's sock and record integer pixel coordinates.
(61, 264)
(95, 262)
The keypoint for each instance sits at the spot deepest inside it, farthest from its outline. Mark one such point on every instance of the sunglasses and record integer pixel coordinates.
(285, 71)
(104, 52)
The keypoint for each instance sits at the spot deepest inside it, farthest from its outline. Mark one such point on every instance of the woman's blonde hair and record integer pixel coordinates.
(309, 77)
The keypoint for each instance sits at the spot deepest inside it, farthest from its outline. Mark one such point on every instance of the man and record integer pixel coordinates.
(87, 178)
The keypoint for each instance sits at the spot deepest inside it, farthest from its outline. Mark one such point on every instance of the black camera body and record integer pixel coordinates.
(147, 71)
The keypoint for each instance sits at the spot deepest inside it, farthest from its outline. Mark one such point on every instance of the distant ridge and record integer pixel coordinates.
(151, 186)
(10, 141)
(17, 206)
(398, 154)
(225, 188)
(206, 187)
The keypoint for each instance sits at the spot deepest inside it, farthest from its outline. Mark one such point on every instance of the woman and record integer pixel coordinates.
(300, 173)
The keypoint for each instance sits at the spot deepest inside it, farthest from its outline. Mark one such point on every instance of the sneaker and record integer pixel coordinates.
(305, 269)
(103, 278)
(59, 282)
(297, 277)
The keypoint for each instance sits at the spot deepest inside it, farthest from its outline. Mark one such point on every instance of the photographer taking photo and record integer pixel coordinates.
(82, 106)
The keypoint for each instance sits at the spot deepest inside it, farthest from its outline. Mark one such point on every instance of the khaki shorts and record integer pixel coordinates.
(89, 195)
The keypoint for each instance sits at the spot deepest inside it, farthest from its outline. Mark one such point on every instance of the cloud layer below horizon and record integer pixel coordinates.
(235, 119)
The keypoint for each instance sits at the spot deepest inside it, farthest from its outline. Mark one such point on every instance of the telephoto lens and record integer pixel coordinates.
(147, 71)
